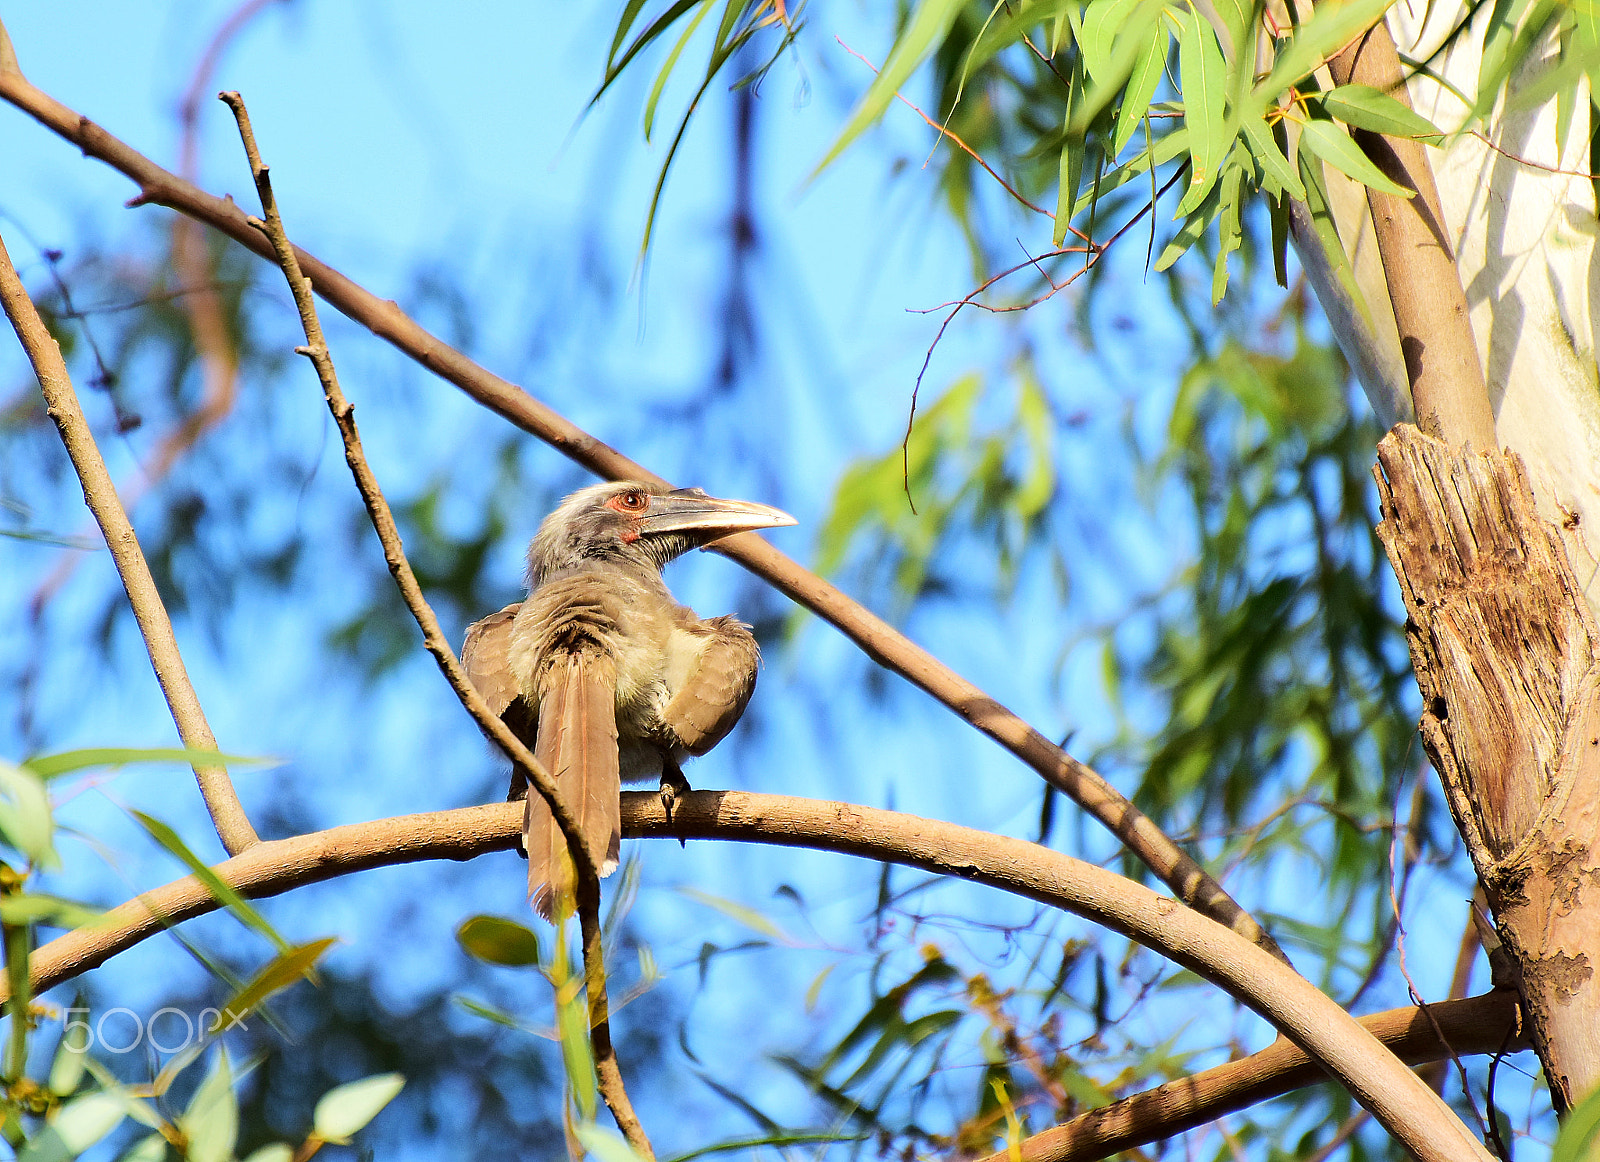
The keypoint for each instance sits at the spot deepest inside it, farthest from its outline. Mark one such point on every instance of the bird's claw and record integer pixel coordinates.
(673, 786)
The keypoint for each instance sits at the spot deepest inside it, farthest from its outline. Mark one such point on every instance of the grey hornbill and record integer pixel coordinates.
(601, 672)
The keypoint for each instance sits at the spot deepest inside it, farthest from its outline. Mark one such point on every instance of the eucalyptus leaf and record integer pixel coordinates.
(497, 940)
(26, 823)
(1368, 108)
(1141, 90)
(36, 908)
(928, 23)
(241, 908)
(1277, 173)
(344, 1111)
(282, 971)
(1332, 144)
(78, 1124)
(1329, 29)
(1102, 21)
(211, 1123)
(1203, 74)
(51, 766)
(1192, 230)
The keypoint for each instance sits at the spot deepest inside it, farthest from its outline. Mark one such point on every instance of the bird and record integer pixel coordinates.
(602, 673)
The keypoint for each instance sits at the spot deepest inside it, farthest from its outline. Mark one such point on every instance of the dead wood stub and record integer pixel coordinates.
(1504, 647)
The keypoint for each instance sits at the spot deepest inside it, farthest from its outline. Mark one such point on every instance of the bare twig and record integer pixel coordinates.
(588, 876)
(233, 826)
(879, 640)
(1336, 1041)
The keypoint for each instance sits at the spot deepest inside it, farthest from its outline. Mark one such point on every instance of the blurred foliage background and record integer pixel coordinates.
(1143, 520)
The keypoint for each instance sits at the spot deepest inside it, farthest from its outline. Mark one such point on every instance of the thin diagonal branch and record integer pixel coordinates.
(1400, 1100)
(875, 637)
(608, 1072)
(100, 494)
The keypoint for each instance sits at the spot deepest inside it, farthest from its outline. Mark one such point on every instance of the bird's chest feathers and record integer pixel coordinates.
(651, 669)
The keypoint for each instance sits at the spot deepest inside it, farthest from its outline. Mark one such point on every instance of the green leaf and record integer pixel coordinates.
(1333, 145)
(1130, 49)
(1102, 21)
(1497, 59)
(641, 42)
(1330, 29)
(744, 914)
(1579, 1140)
(1279, 208)
(50, 766)
(577, 1054)
(1073, 150)
(1327, 232)
(152, 1148)
(604, 1145)
(36, 908)
(1277, 173)
(66, 1067)
(284, 970)
(345, 1110)
(630, 13)
(496, 940)
(211, 1123)
(220, 891)
(487, 1012)
(1203, 74)
(25, 820)
(1229, 231)
(668, 65)
(1192, 230)
(1369, 108)
(77, 1125)
(928, 24)
(1141, 90)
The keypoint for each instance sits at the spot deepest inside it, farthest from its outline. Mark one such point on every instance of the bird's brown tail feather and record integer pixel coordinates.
(577, 744)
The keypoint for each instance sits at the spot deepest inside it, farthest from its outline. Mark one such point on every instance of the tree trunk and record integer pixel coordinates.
(1504, 645)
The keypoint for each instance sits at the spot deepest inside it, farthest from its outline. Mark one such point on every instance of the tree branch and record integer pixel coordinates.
(607, 1071)
(1473, 1025)
(1401, 1102)
(100, 494)
(1419, 265)
(880, 641)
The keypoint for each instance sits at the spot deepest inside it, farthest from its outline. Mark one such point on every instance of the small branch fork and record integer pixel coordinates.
(100, 494)
(608, 1072)
(876, 638)
(1326, 1034)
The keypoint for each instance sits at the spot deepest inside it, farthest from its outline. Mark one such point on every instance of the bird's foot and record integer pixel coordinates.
(673, 785)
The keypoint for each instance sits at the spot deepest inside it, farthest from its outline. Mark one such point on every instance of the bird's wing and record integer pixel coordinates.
(711, 697)
(574, 678)
(484, 658)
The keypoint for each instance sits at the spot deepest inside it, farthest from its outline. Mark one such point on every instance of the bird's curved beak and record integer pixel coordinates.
(690, 512)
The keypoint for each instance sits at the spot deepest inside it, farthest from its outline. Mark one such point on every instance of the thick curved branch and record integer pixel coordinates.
(1470, 1026)
(1401, 1102)
(880, 641)
(100, 494)
(608, 1071)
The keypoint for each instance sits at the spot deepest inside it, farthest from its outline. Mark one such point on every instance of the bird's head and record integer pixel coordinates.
(645, 524)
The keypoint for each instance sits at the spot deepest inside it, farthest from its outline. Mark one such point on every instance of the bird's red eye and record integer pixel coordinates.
(630, 502)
